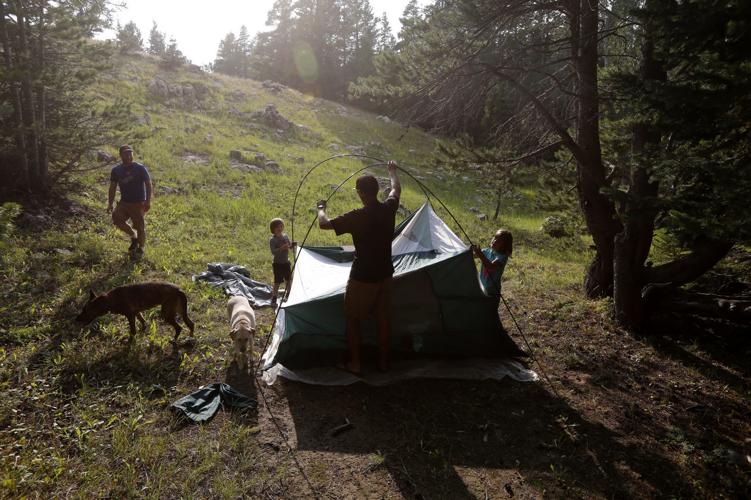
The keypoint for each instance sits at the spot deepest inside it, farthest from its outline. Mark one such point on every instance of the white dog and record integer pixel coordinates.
(242, 322)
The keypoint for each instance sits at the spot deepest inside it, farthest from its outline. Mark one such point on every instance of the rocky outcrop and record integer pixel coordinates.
(272, 118)
(554, 226)
(252, 162)
(187, 95)
(272, 86)
(196, 158)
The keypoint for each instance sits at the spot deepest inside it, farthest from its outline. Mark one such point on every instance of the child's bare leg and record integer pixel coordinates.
(287, 288)
(275, 292)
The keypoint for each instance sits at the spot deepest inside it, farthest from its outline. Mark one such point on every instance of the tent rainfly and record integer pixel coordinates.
(438, 308)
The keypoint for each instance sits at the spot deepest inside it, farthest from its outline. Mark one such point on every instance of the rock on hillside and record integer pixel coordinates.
(188, 95)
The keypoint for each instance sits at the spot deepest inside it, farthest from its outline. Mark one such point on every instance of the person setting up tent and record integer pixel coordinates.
(494, 261)
(369, 285)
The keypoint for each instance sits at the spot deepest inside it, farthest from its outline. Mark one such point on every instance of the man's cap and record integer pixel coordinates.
(125, 147)
(367, 184)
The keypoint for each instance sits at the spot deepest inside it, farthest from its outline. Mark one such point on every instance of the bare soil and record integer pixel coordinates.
(617, 417)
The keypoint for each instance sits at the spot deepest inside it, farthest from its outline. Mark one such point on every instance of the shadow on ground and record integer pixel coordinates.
(715, 357)
(425, 430)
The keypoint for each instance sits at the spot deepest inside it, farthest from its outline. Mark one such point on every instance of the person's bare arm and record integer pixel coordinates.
(147, 203)
(111, 197)
(323, 220)
(485, 261)
(396, 187)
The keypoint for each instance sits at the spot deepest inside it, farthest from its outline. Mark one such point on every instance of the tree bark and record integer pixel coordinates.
(598, 210)
(27, 99)
(21, 169)
(41, 105)
(707, 252)
(726, 307)
(497, 204)
(632, 245)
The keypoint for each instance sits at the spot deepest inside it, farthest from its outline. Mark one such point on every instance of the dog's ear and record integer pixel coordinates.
(92, 295)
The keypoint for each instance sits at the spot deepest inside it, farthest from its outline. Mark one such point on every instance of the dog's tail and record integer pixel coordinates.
(184, 310)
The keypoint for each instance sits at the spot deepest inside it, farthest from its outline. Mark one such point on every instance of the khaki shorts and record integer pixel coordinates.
(361, 298)
(125, 210)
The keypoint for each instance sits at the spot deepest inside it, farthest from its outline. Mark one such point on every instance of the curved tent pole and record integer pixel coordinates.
(378, 161)
(310, 228)
(302, 243)
(428, 194)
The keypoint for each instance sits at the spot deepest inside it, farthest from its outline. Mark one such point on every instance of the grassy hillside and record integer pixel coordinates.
(85, 414)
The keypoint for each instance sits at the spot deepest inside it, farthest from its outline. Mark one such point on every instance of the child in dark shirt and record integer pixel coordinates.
(280, 245)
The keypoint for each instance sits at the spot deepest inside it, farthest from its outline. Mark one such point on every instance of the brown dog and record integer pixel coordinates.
(242, 322)
(130, 300)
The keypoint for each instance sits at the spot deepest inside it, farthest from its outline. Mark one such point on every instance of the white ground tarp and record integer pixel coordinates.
(461, 369)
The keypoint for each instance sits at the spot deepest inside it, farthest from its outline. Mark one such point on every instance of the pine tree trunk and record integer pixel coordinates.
(27, 100)
(632, 249)
(706, 253)
(21, 168)
(632, 245)
(41, 107)
(598, 210)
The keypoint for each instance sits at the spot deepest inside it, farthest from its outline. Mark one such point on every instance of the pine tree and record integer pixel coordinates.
(50, 122)
(675, 148)
(318, 46)
(242, 53)
(226, 58)
(173, 57)
(271, 55)
(360, 35)
(157, 44)
(129, 38)
(386, 40)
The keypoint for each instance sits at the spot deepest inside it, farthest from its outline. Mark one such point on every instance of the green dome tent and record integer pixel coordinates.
(438, 308)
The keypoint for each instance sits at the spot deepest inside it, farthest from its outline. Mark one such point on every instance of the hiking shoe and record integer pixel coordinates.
(138, 252)
(133, 244)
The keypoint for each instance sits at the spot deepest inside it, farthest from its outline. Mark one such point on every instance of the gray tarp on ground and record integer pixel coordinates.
(202, 405)
(236, 280)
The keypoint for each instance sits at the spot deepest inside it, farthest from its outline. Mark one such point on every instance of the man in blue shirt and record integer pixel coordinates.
(135, 199)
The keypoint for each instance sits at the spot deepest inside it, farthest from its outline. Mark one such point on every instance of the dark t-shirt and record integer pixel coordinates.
(280, 256)
(372, 229)
(131, 181)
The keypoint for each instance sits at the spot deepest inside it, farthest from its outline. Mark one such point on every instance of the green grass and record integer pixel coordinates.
(79, 410)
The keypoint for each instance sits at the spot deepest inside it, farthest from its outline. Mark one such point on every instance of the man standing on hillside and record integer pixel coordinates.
(135, 199)
(369, 285)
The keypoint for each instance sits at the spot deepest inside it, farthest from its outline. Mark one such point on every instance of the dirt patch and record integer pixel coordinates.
(626, 417)
(196, 158)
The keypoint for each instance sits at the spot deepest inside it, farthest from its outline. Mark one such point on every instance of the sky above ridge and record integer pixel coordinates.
(199, 29)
